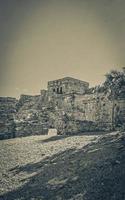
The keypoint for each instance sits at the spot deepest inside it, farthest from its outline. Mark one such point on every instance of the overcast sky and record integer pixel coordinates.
(42, 40)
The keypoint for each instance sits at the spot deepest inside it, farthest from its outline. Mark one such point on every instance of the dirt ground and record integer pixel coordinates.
(87, 167)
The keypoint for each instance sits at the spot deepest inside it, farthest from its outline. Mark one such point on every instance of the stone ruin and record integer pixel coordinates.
(68, 106)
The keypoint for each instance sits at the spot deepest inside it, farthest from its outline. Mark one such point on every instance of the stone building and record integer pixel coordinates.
(67, 85)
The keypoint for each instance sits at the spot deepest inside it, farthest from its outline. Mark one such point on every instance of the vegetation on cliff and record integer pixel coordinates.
(114, 84)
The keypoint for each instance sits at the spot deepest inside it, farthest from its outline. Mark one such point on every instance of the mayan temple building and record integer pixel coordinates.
(68, 105)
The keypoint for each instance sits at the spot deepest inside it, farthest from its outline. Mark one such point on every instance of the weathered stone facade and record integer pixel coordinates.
(67, 85)
(67, 106)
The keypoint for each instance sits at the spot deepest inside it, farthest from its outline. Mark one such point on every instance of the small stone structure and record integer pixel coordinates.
(67, 107)
(67, 85)
(52, 132)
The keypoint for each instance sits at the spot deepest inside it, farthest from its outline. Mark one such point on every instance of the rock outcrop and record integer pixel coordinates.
(7, 113)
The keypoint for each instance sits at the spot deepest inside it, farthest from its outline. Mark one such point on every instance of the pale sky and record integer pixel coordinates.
(42, 40)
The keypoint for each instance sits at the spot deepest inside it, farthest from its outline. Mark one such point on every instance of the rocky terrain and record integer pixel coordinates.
(89, 167)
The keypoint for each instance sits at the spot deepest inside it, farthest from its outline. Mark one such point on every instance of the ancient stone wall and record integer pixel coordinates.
(7, 113)
(83, 113)
(96, 108)
(30, 119)
(119, 113)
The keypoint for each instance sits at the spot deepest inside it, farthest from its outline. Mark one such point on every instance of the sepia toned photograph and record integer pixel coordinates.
(62, 100)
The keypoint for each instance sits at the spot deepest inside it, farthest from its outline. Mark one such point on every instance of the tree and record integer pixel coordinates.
(115, 82)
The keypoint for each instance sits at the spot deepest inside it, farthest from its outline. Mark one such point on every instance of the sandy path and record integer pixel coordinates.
(22, 151)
